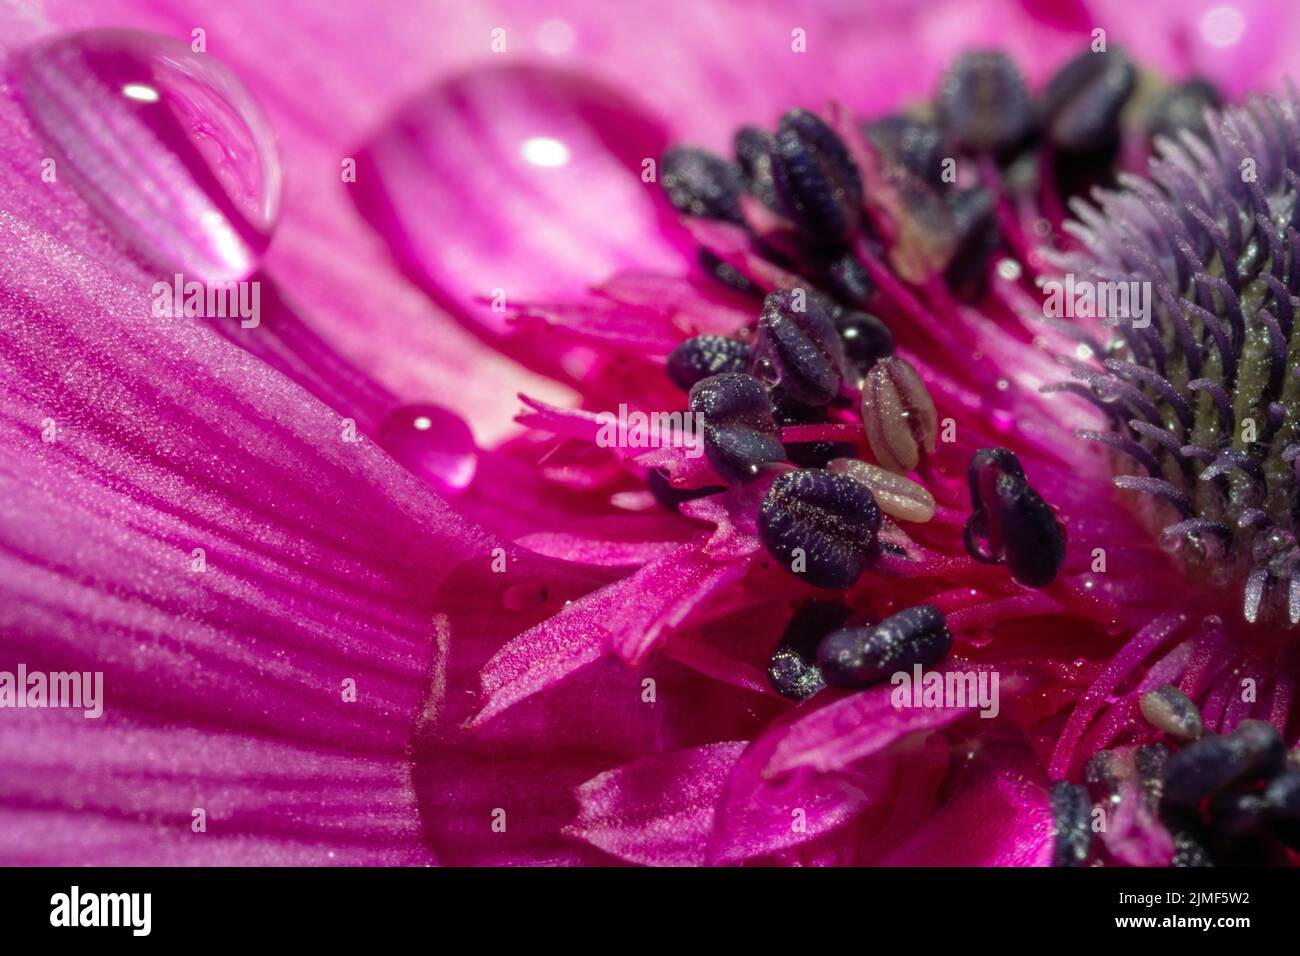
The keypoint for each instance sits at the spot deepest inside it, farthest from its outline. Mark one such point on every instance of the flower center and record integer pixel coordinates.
(835, 219)
(1199, 382)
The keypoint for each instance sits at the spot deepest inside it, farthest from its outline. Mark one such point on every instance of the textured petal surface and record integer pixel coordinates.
(121, 792)
(658, 810)
(998, 817)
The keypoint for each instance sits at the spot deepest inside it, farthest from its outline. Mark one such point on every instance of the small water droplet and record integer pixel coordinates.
(767, 372)
(166, 144)
(433, 443)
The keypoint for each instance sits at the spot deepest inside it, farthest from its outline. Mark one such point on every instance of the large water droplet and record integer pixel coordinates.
(433, 443)
(523, 178)
(165, 143)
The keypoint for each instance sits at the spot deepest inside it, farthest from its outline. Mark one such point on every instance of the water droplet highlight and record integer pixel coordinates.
(166, 144)
(433, 443)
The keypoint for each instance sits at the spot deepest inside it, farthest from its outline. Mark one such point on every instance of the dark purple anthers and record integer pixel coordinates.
(798, 347)
(984, 104)
(1184, 108)
(1204, 411)
(917, 146)
(1149, 760)
(701, 184)
(1102, 776)
(860, 656)
(1254, 751)
(793, 670)
(1230, 799)
(1071, 824)
(847, 279)
(706, 355)
(822, 527)
(974, 222)
(1283, 798)
(1188, 847)
(898, 414)
(1237, 813)
(818, 186)
(727, 274)
(1199, 770)
(740, 436)
(753, 149)
(1012, 524)
(1082, 102)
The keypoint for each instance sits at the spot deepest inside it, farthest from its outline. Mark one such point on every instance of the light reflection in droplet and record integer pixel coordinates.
(545, 151)
(140, 92)
(1223, 26)
(555, 37)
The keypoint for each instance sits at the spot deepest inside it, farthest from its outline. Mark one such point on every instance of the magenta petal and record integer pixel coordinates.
(122, 792)
(1134, 834)
(232, 562)
(834, 763)
(999, 816)
(585, 549)
(338, 315)
(1239, 46)
(657, 810)
(528, 760)
(664, 592)
(234, 557)
(757, 817)
(524, 180)
(629, 617)
(835, 736)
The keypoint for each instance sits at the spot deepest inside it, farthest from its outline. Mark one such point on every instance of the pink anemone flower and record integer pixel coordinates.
(845, 528)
